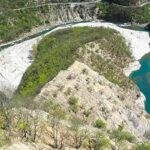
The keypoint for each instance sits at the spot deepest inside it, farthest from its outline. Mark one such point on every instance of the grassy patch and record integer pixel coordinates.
(100, 124)
(143, 146)
(73, 101)
(120, 135)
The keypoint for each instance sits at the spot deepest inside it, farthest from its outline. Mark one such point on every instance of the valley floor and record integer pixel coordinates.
(87, 98)
(16, 59)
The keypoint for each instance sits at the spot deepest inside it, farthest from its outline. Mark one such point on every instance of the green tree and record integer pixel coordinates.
(78, 133)
(56, 116)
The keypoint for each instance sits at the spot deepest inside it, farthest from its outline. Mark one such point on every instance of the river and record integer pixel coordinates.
(142, 78)
(43, 32)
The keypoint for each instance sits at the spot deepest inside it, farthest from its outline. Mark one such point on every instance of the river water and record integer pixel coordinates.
(142, 78)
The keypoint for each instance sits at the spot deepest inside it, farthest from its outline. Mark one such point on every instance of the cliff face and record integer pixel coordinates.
(73, 13)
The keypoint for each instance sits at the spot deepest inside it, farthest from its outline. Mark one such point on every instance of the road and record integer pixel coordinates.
(73, 3)
(55, 4)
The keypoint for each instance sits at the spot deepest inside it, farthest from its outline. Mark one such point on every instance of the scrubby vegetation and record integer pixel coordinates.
(121, 135)
(10, 4)
(143, 146)
(50, 124)
(100, 124)
(73, 101)
(58, 51)
(117, 13)
(13, 23)
(109, 67)
(127, 2)
(16, 22)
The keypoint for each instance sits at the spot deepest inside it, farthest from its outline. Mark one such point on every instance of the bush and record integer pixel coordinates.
(75, 108)
(2, 121)
(120, 135)
(100, 142)
(87, 112)
(73, 100)
(143, 146)
(4, 138)
(100, 124)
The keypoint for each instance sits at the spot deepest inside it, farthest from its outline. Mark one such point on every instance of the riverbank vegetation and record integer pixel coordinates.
(58, 51)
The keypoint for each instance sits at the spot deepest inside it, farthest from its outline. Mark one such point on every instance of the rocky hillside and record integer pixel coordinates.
(75, 96)
(97, 96)
(70, 89)
(33, 19)
(97, 113)
(26, 20)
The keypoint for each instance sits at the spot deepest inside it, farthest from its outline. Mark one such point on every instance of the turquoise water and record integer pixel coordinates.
(142, 78)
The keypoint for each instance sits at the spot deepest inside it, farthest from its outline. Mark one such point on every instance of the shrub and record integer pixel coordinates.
(4, 138)
(120, 135)
(143, 146)
(2, 121)
(100, 124)
(100, 142)
(73, 100)
(75, 108)
(55, 94)
(87, 112)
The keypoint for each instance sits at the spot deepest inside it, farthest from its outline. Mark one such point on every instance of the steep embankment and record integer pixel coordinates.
(15, 23)
(24, 21)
